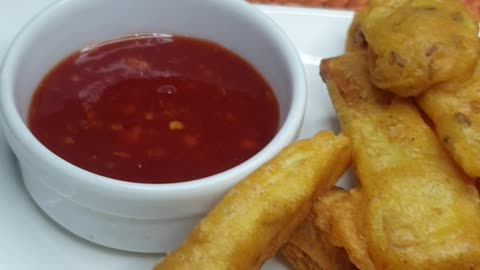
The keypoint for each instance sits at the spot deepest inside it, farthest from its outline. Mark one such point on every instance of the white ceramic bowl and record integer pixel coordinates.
(117, 214)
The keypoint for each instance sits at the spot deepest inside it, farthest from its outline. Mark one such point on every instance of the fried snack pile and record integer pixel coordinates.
(419, 210)
(417, 206)
(259, 214)
(415, 209)
(415, 44)
(428, 49)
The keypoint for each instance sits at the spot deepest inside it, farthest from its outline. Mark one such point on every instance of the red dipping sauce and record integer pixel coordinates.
(154, 109)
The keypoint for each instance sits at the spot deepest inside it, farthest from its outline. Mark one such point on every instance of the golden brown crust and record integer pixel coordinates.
(419, 210)
(454, 108)
(259, 214)
(451, 102)
(356, 40)
(310, 248)
(415, 44)
(339, 217)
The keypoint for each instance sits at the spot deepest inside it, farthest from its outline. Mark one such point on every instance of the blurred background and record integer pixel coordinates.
(474, 5)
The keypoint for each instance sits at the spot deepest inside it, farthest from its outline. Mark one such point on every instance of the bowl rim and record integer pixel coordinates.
(19, 130)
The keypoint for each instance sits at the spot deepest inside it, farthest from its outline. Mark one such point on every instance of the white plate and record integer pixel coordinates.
(30, 240)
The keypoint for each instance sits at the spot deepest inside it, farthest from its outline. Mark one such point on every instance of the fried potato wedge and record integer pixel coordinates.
(339, 216)
(310, 247)
(334, 227)
(420, 211)
(454, 108)
(259, 214)
(414, 44)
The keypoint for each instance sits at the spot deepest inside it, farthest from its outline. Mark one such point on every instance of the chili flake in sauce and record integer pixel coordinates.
(154, 109)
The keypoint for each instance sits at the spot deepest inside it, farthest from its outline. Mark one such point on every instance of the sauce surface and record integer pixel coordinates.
(154, 109)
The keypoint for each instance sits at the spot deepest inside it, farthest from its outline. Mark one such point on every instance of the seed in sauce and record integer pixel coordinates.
(154, 109)
(176, 126)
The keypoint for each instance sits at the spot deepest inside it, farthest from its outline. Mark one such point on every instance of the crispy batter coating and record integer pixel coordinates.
(356, 40)
(420, 210)
(454, 108)
(340, 217)
(414, 44)
(310, 247)
(453, 105)
(332, 237)
(259, 214)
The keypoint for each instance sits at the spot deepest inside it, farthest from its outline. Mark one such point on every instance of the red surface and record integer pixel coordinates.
(473, 5)
(154, 110)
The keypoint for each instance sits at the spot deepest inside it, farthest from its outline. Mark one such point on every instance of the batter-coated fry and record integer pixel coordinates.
(454, 108)
(453, 105)
(339, 217)
(420, 210)
(309, 249)
(258, 215)
(332, 236)
(414, 44)
(311, 246)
